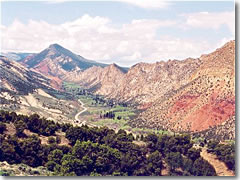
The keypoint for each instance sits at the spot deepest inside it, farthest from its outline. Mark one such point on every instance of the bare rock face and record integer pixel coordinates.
(207, 99)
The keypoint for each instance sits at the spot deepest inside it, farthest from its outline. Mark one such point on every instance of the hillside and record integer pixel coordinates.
(141, 84)
(144, 83)
(206, 101)
(17, 78)
(27, 91)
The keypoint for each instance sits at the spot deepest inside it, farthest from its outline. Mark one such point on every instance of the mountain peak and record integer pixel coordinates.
(56, 46)
(115, 66)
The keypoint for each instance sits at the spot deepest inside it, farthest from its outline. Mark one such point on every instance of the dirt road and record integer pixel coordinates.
(77, 120)
(220, 167)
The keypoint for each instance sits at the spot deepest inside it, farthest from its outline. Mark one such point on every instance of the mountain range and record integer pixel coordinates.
(178, 95)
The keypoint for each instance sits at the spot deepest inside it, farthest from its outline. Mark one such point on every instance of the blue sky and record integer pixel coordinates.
(117, 11)
(124, 32)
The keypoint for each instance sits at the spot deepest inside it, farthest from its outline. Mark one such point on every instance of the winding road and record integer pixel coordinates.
(77, 120)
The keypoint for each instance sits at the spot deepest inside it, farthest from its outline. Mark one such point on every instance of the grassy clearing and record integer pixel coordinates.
(112, 123)
(145, 131)
(71, 85)
(87, 100)
(126, 113)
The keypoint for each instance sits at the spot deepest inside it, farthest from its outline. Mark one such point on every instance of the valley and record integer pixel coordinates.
(172, 110)
(195, 96)
(95, 110)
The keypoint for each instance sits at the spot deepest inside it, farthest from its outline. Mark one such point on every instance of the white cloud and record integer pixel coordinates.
(99, 39)
(213, 20)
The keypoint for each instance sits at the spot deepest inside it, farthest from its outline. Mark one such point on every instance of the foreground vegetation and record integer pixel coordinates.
(101, 151)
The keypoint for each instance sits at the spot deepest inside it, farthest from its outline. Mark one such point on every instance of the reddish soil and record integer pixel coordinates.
(43, 68)
(186, 102)
(211, 114)
(56, 82)
(145, 106)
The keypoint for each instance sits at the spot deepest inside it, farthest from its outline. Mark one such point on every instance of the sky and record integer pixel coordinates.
(124, 32)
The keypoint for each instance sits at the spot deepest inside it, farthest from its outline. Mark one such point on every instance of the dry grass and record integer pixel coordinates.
(11, 130)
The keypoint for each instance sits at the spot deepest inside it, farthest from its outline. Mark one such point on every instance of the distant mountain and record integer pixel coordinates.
(58, 61)
(144, 82)
(16, 56)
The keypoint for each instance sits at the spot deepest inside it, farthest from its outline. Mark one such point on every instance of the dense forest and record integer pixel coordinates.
(100, 151)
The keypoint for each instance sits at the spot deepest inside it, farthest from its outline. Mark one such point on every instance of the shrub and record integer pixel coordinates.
(2, 127)
(51, 140)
